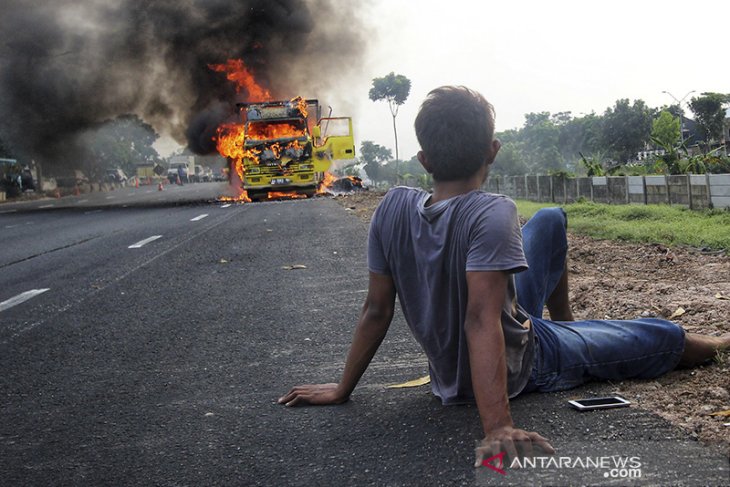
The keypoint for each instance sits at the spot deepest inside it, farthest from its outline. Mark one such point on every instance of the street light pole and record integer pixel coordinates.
(681, 112)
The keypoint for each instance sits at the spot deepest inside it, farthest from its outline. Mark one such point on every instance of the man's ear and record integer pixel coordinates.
(424, 162)
(496, 145)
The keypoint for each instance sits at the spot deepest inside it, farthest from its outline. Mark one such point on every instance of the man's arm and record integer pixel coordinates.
(375, 318)
(487, 360)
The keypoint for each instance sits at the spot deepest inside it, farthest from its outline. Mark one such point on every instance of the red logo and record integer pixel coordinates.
(499, 467)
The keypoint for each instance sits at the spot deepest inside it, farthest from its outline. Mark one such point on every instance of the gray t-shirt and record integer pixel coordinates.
(428, 251)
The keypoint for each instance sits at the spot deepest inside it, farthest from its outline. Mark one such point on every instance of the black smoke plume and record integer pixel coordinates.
(68, 66)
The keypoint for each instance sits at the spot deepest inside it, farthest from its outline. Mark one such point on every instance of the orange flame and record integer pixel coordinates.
(237, 72)
(301, 104)
(231, 138)
(229, 143)
(326, 184)
(235, 179)
(292, 195)
(270, 130)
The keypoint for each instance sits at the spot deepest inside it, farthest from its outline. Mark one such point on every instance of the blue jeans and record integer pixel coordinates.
(568, 354)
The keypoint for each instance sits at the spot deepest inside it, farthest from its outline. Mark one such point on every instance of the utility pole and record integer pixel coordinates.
(681, 112)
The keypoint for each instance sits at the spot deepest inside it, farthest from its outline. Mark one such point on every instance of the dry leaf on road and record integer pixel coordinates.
(677, 313)
(292, 267)
(412, 383)
(721, 413)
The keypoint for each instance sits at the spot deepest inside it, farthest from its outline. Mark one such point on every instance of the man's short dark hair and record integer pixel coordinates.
(455, 127)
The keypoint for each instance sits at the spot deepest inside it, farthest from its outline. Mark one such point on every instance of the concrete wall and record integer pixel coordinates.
(692, 191)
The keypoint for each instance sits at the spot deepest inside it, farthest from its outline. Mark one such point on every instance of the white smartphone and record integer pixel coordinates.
(599, 403)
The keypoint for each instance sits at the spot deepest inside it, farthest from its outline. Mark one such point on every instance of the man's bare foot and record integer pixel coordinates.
(698, 349)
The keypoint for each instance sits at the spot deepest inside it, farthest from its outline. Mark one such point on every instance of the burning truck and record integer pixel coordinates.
(283, 149)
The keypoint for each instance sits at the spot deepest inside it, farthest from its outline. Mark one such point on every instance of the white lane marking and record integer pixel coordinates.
(110, 197)
(46, 206)
(93, 292)
(226, 205)
(21, 298)
(81, 201)
(144, 242)
(148, 191)
(12, 226)
(199, 217)
(7, 211)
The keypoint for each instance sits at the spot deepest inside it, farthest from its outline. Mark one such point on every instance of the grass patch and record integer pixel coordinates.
(669, 225)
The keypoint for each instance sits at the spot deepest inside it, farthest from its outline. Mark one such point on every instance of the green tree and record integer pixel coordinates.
(580, 134)
(425, 181)
(509, 161)
(403, 172)
(710, 114)
(413, 167)
(374, 155)
(393, 88)
(675, 110)
(540, 136)
(626, 129)
(120, 143)
(593, 165)
(665, 133)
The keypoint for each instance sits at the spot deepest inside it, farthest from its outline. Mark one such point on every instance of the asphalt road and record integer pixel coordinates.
(161, 364)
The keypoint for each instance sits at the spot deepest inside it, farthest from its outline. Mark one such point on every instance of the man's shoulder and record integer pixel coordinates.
(400, 197)
(403, 192)
(491, 197)
(490, 201)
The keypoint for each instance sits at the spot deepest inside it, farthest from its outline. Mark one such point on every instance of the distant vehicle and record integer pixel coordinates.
(116, 176)
(220, 174)
(205, 175)
(202, 174)
(190, 169)
(27, 179)
(174, 173)
(15, 178)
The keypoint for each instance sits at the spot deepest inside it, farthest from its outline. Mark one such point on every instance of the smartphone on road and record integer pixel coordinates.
(599, 403)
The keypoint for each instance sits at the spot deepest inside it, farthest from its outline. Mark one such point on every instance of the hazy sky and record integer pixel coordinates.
(532, 56)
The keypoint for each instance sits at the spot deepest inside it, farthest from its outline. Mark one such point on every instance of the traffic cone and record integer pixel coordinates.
(136, 183)
(159, 187)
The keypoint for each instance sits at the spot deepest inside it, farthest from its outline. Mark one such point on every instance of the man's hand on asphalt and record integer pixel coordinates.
(319, 394)
(514, 442)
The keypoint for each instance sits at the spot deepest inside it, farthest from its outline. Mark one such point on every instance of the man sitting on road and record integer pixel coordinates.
(472, 286)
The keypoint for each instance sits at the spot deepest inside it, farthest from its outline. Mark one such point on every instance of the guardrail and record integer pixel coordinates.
(694, 191)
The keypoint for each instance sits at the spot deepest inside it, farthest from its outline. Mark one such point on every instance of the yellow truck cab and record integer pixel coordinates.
(288, 148)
